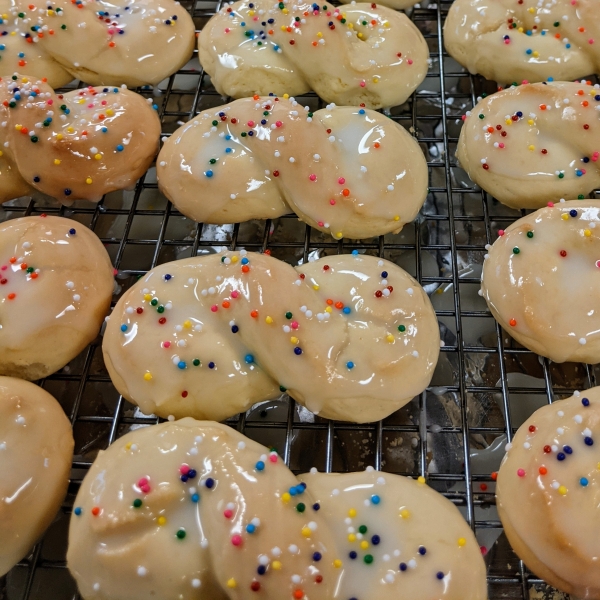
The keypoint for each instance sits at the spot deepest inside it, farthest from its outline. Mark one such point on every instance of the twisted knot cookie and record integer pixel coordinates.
(78, 145)
(540, 281)
(56, 284)
(361, 53)
(131, 42)
(534, 143)
(36, 447)
(350, 337)
(546, 493)
(348, 171)
(535, 40)
(195, 510)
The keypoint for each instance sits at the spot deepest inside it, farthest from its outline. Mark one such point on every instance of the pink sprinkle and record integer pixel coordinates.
(525, 82)
(328, 13)
(464, 117)
(255, 19)
(500, 145)
(484, 550)
(500, 232)
(278, 123)
(273, 457)
(550, 204)
(250, 123)
(115, 272)
(166, 344)
(521, 472)
(583, 171)
(50, 102)
(332, 202)
(90, 106)
(598, 263)
(104, 102)
(227, 30)
(214, 308)
(4, 267)
(111, 31)
(143, 481)
(409, 61)
(234, 294)
(320, 224)
(312, 177)
(341, 181)
(145, 489)
(362, 84)
(236, 540)
(184, 469)
(294, 325)
(507, 41)
(228, 513)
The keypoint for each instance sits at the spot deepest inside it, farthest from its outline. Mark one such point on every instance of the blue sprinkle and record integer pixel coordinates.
(440, 575)
(403, 567)
(227, 137)
(36, 179)
(2, 47)
(234, 328)
(208, 173)
(275, 47)
(249, 358)
(192, 474)
(350, 364)
(243, 24)
(375, 499)
(297, 351)
(354, 252)
(352, 555)
(302, 485)
(317, 556)
(21, 54)
(195, 498)
(228, 150)
(583, 481)
(422, 550)
(211, 365)
(67, 192)
(168, 277)
(104, 130)
(578, 173)
(123, 327)
(361, 111)
(585, 402)
(568, 449)
(181, 364)
(384, 274)
(585, 159)
(72, 231)
(346, 310)
(550, 79)
(597, 97)
(77, 510)
(316, 506)
(529, 51)
(568, 45)
(245, 261)
(261, 570)
(250, 528)
(292, 491)
(119, 148)
(209, 483)
(573, 213)
(560, 456)
(588, 441)
(263, 121)
(260, 466)
(184, 478)
(375, 540)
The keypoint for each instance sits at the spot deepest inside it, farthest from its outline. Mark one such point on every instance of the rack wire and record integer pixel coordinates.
(453, 434)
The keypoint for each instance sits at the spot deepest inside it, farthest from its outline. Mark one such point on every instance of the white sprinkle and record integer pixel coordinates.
(211, 290)
(191, 281)
(412, 563)
(3, 446)
(410, 291)
(396, 553)
(308, 314)
(296, 579)
(313, 470)
(195, 583)
(386, 558)
(193, 451)
(554, 448)
(560, 413)
(316, 157)
(526, 445)
(587, 432)
(367, 502)
(286, 329)
(76, 297)
(70, 285)
(96, 587)
(293, 549)
(507, 447)
(582, 341)
(263, 559)
(292, 159)
(141, 571)
(389, 578)
(555, 485)
(178, 328)
(331, 138)
(199, 439)
(171, 418)
(276, 551)
(277, 154)
(335, 492)
(198, 327)
(381, 481)
(20, 420)
(313, 526)
(255, 522)
(363, 169)
(560, 430)
(390, 188)
(578, 418)
(129, 310)
(385, 292)
(380, 263)
(415, 354)
(26, 245)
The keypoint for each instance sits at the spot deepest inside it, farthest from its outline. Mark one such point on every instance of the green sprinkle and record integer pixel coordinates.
(196, 362)
(21, 15)
(266, 113)
(212, 161)
(301, 507)
(561, 175)
(215, 123)
(516, 250)
(63, 26)
(154, 301)
(281, 5)
(137, 503)
(243, 134)
(181, 534)
(556, 23)
(288, 315)
(30, 269)
(160, 309)
(580, 197)
(343, 20)
(310, 115)
(368, 558)
(401, 328)
(282, 389)
(34, 138)
(362, 529)
(482, 116)
(530, 234)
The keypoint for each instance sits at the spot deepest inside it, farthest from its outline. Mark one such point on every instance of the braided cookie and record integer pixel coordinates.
(56, 284)
(195, 510)
(350, 337)
(540, 281)
(101, 42)
(509, 41)
(534, 143)
(546, 494)
(36, 447)
(78, 145)
(360, 53)
(351, 172)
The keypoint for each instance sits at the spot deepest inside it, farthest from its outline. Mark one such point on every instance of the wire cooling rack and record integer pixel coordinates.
(484, 387)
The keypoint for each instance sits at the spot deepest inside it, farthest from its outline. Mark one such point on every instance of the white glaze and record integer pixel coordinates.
(390, 366)
(370, 180)
(521, 174)
(550, 297)
(480, 35)
(381, 68)
(549, 516)
(80, 145)
(49, 315)
(36, 447)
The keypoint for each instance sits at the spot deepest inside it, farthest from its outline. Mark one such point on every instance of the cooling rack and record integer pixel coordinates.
(453, 434)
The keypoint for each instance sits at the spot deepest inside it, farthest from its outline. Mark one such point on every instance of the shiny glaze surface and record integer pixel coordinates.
(236, 326)
(376, 57)
(36, 446)
(132, 42)
(246, 519)
(548, 494)
(416, 545)
(535, 143)
(19, 55)
(348, 171)
(544, 292)
(508, 41)
(56, 285)
(78, 145)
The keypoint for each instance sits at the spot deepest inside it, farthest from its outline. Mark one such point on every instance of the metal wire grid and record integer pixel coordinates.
(482, 373)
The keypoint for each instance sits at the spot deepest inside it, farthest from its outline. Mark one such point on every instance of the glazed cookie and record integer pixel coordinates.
(347, 171)
(78, 145)
(510, 41)
(195, 510)
(540, 281)
(350, 337)
(36, 447)
(534, 143)
(404, 541)
(19, 53)
(546, 494)
(131, 42)
(56, 284)
(361, 53)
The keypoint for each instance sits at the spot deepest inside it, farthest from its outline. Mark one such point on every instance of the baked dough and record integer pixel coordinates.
(347, 171)
(546, 494)
(395, 4)
(416, 545)
(205, 537)
(350, 55)
(36, 447)
(56, 284)
(535, 143)
(195, 510)
(102, 42)
(19, 53)
(540, 281)
(508, 41)
(350, 337)
(78, 145)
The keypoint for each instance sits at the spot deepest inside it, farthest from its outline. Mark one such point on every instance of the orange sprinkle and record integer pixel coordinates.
(95, 511)
(33, 275)
(585, 103)
(23, 266)
(314, 43)
(12, 259)
(512, 322)
(111, 44)
(339, 305)
(494, 476)
(376, 144)
(542, 107)
(11, 296)
(256, 97)
(298, 594)
(543, 470)
(346, 192)
(254, 314)
(329, 301)
(245, 269)
(225, 304)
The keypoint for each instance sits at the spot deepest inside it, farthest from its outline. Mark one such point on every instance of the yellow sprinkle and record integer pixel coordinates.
(127, 445)
(286, 96)
(375, 80)
(587, 233)
(276, 565)
(531, 10)
(337, 563)
(187, 324)
(147, 376)
(564, 216)
(531, 147)
(536, 53)
(339, 235)
(520, 30)
(352, 513)
(97, 156)
(405, 513)
(231, 583)
(351, 537)
(421, 479)
(562, 490)
(364, 545)
(285, 497)
(389, 337)
(81, 101)
(18, 127)
(13, 33)
(316, 286)
(50, 13)
(251, 13)
(70, 129)
(598, 466)
(294, 340)
(234, 258)
(462, 542)
(306, 532)
(285, 11)
(147, 297)
(161, 521)
(386, 24)
(110, 112)
(351, 26)
(283, 28)
(328, 309)
(319, 34)
(269, 320)
(1, 153)
(56, 161)
(396, 217)
(531, 122)
(508, 121)
(59, 136)
(88, 180)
